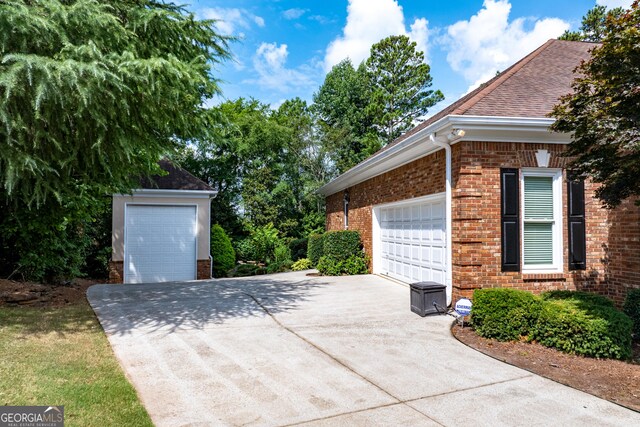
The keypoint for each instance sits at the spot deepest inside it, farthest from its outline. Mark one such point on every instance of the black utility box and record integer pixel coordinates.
(425, 294)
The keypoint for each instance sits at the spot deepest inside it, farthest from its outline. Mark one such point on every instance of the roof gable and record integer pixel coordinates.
(176, 179)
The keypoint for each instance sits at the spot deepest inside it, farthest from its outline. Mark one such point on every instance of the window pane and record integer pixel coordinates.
(538, 243)
(538, 197)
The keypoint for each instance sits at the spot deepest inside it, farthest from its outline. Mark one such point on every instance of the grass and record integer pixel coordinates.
(62, 357)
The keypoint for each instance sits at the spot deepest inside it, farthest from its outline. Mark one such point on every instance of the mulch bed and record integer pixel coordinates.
(13, 293)
(613, 380)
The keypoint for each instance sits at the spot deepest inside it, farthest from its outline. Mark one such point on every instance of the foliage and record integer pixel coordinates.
(587, 298)
(341, 244)
(504, 314)
(602, 113)
(245, 270)
(345, 124)
(354, 264)
(315, 248)
(279, 266)
(282, 253)
(400, 81)
(298, 248)
(245, 250)
(222, 253)
(302, 264)
(592, 28)
(582, 326)
(93, 93)
(632, 309)
(265, 240)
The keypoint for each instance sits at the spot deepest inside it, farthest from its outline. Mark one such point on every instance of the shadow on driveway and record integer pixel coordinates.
(185, 305)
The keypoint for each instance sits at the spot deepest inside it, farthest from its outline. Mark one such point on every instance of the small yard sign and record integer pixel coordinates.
(463, 307)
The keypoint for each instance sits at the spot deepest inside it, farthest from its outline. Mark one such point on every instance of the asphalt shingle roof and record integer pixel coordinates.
(176, 179)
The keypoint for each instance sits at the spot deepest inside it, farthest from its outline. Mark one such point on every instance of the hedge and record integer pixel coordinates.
(315, 248)
(342, 244)
(298, 248)
(222, 253)
(574, 322)
(632, 309)
(354, 264)
(583, 327)
(504, 314)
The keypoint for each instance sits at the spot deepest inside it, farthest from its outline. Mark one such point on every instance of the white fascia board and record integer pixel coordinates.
(477, 128)
(191, 194)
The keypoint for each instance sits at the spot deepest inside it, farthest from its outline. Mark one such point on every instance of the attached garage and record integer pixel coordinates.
(411, 240)
(160, 232)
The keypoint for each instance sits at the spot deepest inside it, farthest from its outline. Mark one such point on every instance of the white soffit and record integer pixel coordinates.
(477, 128)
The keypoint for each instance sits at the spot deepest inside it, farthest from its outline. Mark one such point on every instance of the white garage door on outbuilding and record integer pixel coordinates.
(410, 240)
(160, 243)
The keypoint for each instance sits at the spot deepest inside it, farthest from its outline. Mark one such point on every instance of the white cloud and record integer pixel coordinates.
(270, 64)
(294, 13)
(232, 20)
(368, 22)
(615, 3)
(488, 42)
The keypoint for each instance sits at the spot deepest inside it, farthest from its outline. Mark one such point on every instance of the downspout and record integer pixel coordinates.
(444, 142)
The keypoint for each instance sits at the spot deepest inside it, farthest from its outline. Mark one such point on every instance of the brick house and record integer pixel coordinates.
(477, 196)
(161, 231)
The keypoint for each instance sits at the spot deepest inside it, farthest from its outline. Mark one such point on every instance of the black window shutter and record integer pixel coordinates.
(577, 226)
(510, 219)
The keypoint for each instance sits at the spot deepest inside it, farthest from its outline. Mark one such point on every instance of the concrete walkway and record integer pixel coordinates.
(289, 349)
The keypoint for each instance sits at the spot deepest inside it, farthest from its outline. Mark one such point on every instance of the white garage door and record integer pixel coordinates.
(160, 243)
(413, 241)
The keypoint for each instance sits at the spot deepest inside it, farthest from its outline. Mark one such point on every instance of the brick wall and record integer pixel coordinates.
(116, 275)
(613, 237)
(425, 175)
(623, 250)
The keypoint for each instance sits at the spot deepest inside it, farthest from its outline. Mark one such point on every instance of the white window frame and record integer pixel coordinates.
(556, 266)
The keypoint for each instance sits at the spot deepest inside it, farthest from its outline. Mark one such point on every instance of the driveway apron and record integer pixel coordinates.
(291, 349)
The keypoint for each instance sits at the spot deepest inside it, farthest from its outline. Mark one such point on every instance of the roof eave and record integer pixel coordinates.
(159, 192)
(477, 128)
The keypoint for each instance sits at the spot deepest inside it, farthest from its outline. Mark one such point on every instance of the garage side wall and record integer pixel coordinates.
(116, 274)
(419, 178)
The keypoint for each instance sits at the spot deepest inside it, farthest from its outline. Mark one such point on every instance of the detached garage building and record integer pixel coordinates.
(479, 195)
(160, 232)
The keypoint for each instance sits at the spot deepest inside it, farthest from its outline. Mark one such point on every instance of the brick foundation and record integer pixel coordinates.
(116, 275)
(613, 237)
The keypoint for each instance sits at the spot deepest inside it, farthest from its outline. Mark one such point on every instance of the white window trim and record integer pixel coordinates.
(558, 250)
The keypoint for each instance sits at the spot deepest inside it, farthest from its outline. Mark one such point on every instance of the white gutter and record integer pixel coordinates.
(158, 192)
(448, 210)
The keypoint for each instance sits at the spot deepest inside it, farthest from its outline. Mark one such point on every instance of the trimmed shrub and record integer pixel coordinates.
(578, 296)
(315, 248)
(244, 270)
(584, 327)
(341, 244)
(330, 266)
(224, 257)
(632, 309)
(302, 264)
(298, 248)
(504, 314)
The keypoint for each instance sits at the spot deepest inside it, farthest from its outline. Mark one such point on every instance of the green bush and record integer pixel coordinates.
(578, 296)
(244, 270)
(330, 266)
(302, 264)
(632, 309)
(504, 314)
(245, 251)
(298, 248)
(341, 244)
(279, 266)
(224, 257)
(582, 326)
(282, 253)
(265, 240)
(315, 248)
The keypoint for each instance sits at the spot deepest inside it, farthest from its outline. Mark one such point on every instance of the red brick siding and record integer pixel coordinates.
(116, 274)
(425, 175)
(613, 237)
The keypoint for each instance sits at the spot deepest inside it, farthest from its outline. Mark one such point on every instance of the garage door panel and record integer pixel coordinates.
(413, 240)
(160, 243)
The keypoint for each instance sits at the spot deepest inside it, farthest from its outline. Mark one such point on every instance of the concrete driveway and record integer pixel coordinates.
(290, 349)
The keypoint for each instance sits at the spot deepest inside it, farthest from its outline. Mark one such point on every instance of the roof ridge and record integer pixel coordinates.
(500, 79)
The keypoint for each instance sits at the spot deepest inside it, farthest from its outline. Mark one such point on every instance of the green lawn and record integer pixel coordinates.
(62, 357)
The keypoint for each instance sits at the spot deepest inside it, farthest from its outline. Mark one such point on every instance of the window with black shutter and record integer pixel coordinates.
(510, 219)
(576, 224)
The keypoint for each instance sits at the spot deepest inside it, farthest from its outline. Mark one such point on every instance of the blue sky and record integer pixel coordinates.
(286, 47)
